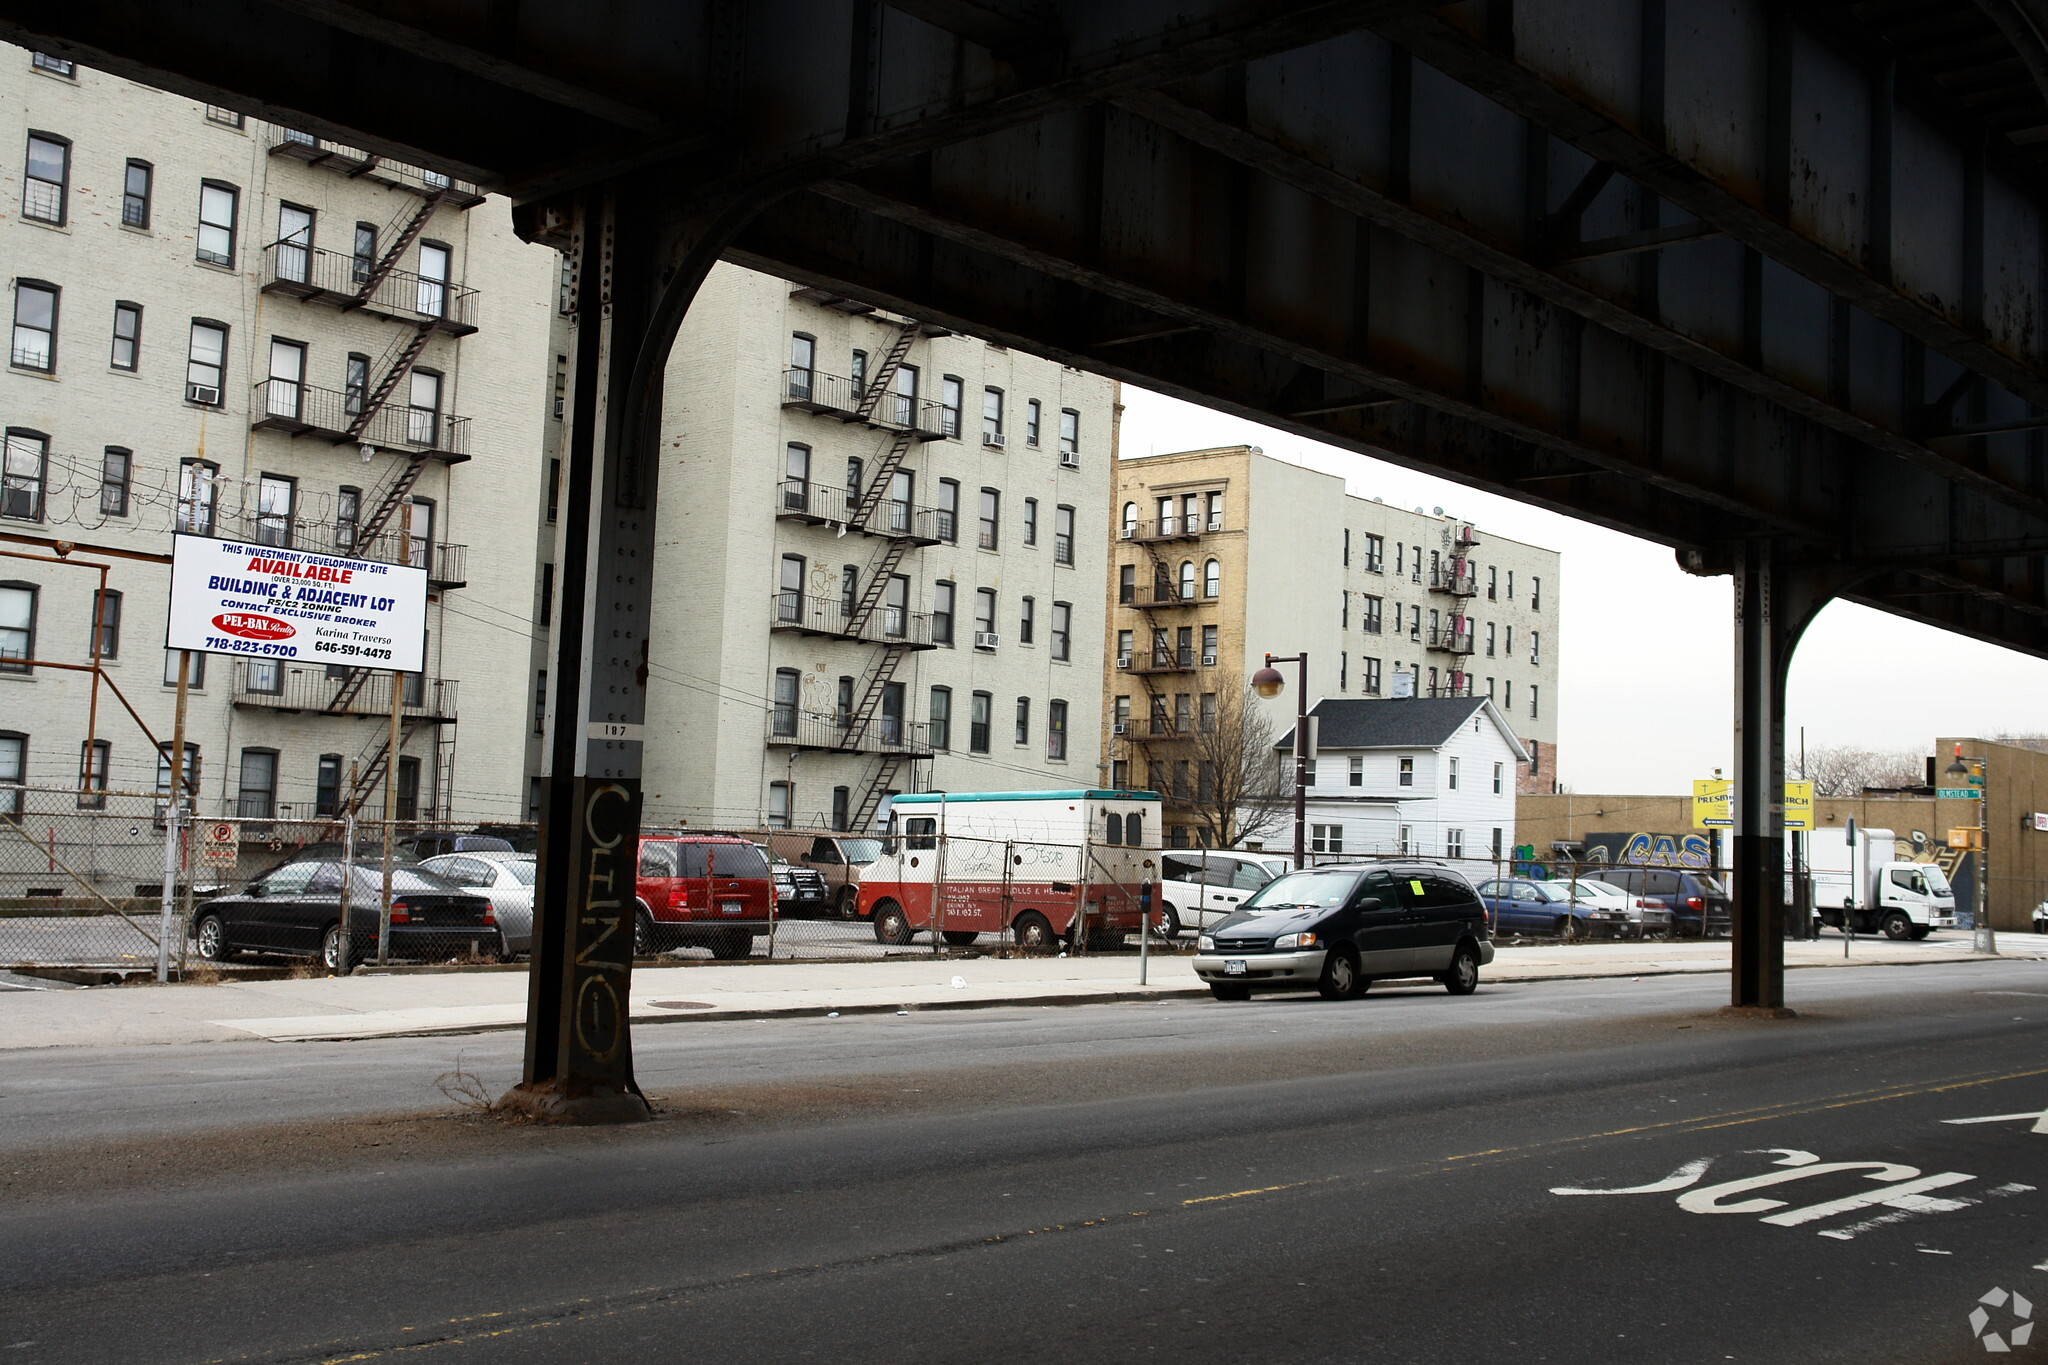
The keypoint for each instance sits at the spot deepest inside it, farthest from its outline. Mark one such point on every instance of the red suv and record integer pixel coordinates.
(701, 891)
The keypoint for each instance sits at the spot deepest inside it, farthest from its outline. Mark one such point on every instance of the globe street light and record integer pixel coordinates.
(1268, 682)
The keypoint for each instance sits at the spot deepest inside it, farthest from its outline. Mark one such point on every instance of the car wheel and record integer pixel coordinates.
(1896, 926)
(1223, 992)
(892, 926)
(1463, 977)
(1034, 931)
(213, 939)
(330, 948)
(1340, 980)
(961, 938)
(1567, 928)
(643, 933)
(732, 945)
(1166, 922)
(847, 904)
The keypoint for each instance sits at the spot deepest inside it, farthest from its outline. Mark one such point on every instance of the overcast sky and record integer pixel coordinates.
(1646, 661)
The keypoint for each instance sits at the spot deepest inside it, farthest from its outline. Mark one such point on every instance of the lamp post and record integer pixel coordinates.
(1267, 682)
(1982, 939)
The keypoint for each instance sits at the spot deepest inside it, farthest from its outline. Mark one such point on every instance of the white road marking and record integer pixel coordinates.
(1677, 1180)
(2039, 1118)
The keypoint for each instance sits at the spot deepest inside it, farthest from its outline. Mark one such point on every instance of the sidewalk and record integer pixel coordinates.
(412, 1004)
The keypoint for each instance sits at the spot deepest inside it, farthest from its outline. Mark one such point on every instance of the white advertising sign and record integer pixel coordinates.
(262, 602)
(2041, 821)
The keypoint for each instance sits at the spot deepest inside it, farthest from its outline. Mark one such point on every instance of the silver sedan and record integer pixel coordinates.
(507, 879)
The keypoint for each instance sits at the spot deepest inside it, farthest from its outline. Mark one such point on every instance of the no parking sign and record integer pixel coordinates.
(219, 841)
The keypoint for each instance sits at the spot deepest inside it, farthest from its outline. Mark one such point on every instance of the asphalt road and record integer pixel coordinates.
(1407, 1177)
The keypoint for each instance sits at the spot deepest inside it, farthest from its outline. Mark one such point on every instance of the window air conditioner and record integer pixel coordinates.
(1070, 459)
(992, 438)
(1119, 728)
(1123, 661)
(986, 639)
(1208, 661)
(1130, 532)
(209, 394)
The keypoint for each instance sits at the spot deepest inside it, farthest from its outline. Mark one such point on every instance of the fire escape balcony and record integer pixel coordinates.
(1161, 596)
(1457, 580)
(816, 504)
(318, 275)
(1158, 729)
(832, 395)
(447, 565)
(1450, 640)
(1459, 685)
(1160, 661)
(828, 614)
(1172, 528)
(356, 164)
(310, 690)
(790, 727)
(302, 410)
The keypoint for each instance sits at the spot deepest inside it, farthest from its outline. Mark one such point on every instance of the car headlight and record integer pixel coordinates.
(1304, 939)
(1205, 944)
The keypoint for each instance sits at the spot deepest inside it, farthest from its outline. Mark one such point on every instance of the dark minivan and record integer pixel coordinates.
(1338, 928)
(1698, 902)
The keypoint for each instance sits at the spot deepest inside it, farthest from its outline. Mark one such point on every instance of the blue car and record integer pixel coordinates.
(1521, 905)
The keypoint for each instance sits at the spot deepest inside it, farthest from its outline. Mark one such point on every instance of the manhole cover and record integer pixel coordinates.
(679, 1004)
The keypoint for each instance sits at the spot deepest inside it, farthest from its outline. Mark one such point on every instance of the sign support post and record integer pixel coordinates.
(176, 793)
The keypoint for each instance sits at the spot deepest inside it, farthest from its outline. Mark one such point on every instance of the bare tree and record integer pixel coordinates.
(1845, 769)
(1237, 793)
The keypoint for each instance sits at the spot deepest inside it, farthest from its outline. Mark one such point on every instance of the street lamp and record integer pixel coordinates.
(1982, 939)
(1268, 682)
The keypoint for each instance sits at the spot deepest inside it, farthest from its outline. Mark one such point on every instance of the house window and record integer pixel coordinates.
(1056, 729)
(1454, 843)
(992, 417)
(1451, 770)
(1498, 775)
(1370, 681)
(984, 611)
(1407, 772)
(423, 408)
(56, 66)
(430, 292)
(1062, 624)
(327, 786)
(942, 613)
(1027, 620)
(857, 372)
(217, 207)
(949, 509)
(127, 350)
(35, 326)
(1063, 535)
(355, 391)
(789, 597)
(107, 621)
(949, 405)
(257, 799)
(942, 718)
(1326, 838)
(1031, 415)
(92, 774)
(408, 789)
(13, 763)
(1070, 433)
(991, 517)
(1212, 579)
(206, 364)
(842, 801)
(364, 262)
(284, 392)
(1127, 584)
(978, 719)
(782, 714)
(803, 363)
(45, 179)
(135, 194)
(796, 478)
(1407, 840)
(778, 805)
(23, 471)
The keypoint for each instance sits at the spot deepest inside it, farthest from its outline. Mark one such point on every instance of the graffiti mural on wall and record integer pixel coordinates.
(1649, 850)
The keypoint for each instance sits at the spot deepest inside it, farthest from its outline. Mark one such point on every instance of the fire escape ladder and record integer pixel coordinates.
(351, 685)
(388, 499)
(408, 349)
(400, 244)
(877, 585)
(879, 382)
(871, 699)
(878, 487)
(871, 798)
(375, 761)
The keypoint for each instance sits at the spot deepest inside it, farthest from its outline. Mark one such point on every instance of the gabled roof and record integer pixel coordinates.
(1399, 722)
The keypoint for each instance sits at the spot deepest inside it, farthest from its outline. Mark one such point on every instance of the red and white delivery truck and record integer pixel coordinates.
(1053, 866)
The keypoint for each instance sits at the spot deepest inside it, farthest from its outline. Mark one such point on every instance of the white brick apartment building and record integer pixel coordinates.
(880, 563)
(221, 326)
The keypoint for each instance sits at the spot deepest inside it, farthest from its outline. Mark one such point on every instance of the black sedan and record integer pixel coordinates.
(297, 909)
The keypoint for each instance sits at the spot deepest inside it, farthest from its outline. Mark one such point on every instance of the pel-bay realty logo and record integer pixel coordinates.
(2002, 1309)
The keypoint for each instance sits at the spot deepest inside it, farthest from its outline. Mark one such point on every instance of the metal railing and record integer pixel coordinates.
(338, 278)
(354, 161)
(1457, 582)
(1172, 528)
(1164, 661)
(794, 727)
(807, 501)
(1451, 640)
(295, 687)
(1166, 595)
(833, 614)
(286, 405)
(816, 391)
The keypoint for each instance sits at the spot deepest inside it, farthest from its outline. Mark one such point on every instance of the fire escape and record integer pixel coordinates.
(1455, 576)
(1162, 604)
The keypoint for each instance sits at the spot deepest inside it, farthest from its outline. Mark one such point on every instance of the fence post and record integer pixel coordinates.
(391, 798)
(170, 892)
(348, 874)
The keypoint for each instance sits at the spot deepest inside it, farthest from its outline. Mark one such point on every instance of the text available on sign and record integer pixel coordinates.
(262, 602)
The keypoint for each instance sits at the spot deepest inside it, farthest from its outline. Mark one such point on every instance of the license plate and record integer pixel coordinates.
(1233, 967)
(732, 907)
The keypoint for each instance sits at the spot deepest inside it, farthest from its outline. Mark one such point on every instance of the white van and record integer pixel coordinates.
(1199, 886)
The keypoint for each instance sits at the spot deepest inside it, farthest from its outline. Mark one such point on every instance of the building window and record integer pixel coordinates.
(561, 386)
(56, 66)
(796, 478)
(1343, 671)
(23, 472)
(803, 364)
(1127, 584)
(1535, 646)
(1369, 614)
(284, 392)
(46, 179)
(364, 256)
(782, 717)
(135, 194)
(198, 491)
(842, 803)
(1023, 735)
(1063, 535)
(950, 392)
(257, 799)
(984, 612)
(1454, 843)
(1451, 771)
(1212, 579)
(1489, 639)
(1070, 433)
(1031, 521)
(423, 408)
(991, 518)
(267, 676)
(116, 470)
(1498, 775)
(778, 805)
(1492, 582)
(348, 511)
(327, 786)
(849, 592)
(942, 718)
(1031, 416)
(17, 626)
(1062, 629)
(430, 291)
(1326, 838)
(540, 701)
(1507, 694)
(127, 349)
(13, 764)
(35, 326)
(547, 595)
(408, 789)
(1056, 729)
(107, 621)
(1535, 710)
(842, 711)
(1407, 772)
(1370, 680)
(992, 417)
(227, 118)
(1407, 840)
(416, 524)
(949, 509)
(857, 371)
(1535, 594)
(92, 774)
(217, 208)
(188, 777)
(978, 720)
(1027, 620)
(554, 490)
(206, 364)
(1375, 554)
(1511, 585)
(942, 613)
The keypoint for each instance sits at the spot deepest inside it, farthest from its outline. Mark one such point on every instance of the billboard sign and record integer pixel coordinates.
(265, 602)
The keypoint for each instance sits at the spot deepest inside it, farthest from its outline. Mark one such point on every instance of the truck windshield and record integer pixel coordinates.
(1317, 890)
(861, 851)
(1937, 884)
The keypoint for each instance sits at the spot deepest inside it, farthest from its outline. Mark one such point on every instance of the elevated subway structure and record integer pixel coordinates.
(1763, 283)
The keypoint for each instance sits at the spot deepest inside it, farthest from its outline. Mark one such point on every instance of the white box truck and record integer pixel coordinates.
(1051, 867)
(1869, 885)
